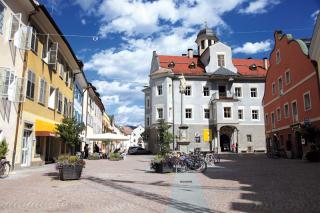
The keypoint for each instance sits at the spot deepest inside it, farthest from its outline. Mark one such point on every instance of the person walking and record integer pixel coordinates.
(86, 151)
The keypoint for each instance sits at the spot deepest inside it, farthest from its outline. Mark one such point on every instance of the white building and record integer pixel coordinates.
(222, 103)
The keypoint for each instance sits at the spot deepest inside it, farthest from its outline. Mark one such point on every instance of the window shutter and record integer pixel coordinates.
(17, 90)
(13, 25)
(22, 38)
(6, 78)
(53, 54)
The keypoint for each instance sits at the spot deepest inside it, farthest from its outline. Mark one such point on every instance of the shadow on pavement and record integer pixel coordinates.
(179, 205)
(53, 175)
(271, 185)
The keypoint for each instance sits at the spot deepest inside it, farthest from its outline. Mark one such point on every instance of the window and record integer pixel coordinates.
(253, 92)
(148, 102)
(286, 110)
(278, 58)
(206, 91)
(240, 114)
(238, 92)
(255, 114)
(188, 113)
(221, 60)
(31, 84)
(38, 146)
(206, 113)
(209, 42)
(159, 89)
(266, 120)
(273, 121)
(34, 41)
(59, 108)
(148, 121)
(52, 98)
(249, 138)
(280, 86)
(65, 107)
(160, 113)
(273, 88)
(287, 77)
(1, 17)
(307, 101)
(187, 92)
(227, 112)
(278, 114)
(42, 91)
(62, 70)
(294, 111)
(202, 44)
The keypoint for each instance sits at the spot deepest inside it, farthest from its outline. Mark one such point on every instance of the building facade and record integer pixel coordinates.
(291, 100)
(14, 16)
(220, 104)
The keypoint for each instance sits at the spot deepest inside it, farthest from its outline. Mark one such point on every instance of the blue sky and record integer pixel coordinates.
(118, 62)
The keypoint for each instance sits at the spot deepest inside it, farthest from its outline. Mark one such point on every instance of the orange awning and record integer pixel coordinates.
(44, 128)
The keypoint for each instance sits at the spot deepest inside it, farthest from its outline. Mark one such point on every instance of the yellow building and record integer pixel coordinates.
(49, 69)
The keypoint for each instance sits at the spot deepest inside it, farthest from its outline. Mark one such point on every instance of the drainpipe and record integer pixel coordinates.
(20, 105)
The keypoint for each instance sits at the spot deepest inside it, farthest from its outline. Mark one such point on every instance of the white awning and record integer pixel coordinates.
(107, 137)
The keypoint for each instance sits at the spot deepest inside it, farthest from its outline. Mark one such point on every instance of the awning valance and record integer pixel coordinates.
(43, 128)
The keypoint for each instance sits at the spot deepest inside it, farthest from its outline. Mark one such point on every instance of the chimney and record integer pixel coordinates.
(265, 61)
(190, 53)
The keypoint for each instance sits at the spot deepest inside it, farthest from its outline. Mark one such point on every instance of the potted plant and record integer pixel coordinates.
(159, 163)
(115, 157)
(70, 167)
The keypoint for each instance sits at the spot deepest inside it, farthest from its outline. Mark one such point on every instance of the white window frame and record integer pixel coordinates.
(224, 58)
(204, 91)
(304, 101)
(240, 108)
(204, 113)
(157, 89)
(241, 92)
(34, 83)
(190, 90)
(258, 114)
(287, 79)
(231, 112)
(44, 93)
(185, 113)
(160, 108)
(286, 112)
(256, 92)
(249, 136)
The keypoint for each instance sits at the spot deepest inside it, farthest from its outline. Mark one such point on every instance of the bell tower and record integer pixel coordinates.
(205, 38)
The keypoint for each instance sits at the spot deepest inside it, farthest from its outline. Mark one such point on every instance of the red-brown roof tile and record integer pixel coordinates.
(182, 65)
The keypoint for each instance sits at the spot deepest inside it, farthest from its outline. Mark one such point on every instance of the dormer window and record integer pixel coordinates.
(192, 65)
(221, 62)
(253, 67)
(171, 64)
(209, 43)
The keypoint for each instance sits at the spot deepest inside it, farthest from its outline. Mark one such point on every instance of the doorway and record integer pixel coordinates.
(222, 91)
(299, 144)
(225, 143)
(26, 148)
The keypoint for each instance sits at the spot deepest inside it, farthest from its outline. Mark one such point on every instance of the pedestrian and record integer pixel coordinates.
(86, 151)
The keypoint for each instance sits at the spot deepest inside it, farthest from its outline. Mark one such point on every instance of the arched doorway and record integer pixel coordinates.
(225, 143)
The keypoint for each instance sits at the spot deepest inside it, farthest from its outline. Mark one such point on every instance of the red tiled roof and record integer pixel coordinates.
(182, 65)
(243, 67)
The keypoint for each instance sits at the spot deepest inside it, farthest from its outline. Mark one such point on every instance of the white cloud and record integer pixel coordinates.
(83, 21)
(315, 14)
(86, 5)
(259, 6)
(253, 48)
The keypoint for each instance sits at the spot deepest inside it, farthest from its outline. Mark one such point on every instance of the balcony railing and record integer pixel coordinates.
(223, 96)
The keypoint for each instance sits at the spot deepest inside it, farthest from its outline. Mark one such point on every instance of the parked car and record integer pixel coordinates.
(137, 151)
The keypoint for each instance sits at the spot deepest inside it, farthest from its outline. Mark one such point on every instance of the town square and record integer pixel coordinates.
(159, 106)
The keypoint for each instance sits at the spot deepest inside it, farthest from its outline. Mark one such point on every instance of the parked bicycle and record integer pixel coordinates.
(186, 162)
(212, 158)
(4, 168)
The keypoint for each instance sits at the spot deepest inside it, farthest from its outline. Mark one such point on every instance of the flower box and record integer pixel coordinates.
(70, 172)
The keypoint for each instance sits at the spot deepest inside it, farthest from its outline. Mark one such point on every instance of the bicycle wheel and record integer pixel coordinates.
(5, 170)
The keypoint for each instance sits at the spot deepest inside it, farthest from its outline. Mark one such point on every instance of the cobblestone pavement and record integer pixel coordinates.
(240, 183)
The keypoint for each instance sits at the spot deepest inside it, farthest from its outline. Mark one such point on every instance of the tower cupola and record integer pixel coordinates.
(205, 38)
